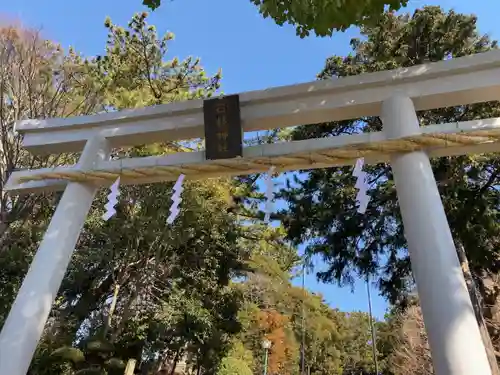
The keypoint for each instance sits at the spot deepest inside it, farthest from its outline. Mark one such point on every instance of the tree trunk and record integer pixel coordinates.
(112, 308)
(478, 309)
(175, 361)
(161, 361)
(3, 230)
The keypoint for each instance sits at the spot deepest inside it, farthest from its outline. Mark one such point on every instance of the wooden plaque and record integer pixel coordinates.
(223, 131)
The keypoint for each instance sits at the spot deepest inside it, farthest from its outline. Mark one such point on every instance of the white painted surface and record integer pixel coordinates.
(454, 337)
(305, 149)
(465, 80)
(24, 325)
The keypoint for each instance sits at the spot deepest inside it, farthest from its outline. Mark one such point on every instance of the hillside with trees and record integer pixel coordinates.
(202, 295)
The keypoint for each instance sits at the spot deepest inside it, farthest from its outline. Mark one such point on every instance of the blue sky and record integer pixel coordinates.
(230, 34)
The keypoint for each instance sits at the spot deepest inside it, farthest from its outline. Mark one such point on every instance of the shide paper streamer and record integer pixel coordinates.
(269, 194)
(362, 185)
(112, 200)
(176, 199)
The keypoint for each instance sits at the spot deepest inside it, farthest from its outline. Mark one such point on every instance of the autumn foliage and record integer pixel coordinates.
(275, 328)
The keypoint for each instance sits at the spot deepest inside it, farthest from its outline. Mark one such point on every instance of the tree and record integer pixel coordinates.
(239, 361)
(37, 80)
(374, 243)
(234, 366)
(323, 17)
(137, 74)
(335, 342)
(322, 205)
(411, 353)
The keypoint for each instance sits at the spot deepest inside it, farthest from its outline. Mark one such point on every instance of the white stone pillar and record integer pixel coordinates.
(24, 325)
(454, 338)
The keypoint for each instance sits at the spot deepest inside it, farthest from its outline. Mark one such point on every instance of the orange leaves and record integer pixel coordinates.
(283, 353)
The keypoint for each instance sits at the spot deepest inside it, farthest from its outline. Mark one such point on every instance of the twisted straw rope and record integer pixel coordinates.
(315, 159)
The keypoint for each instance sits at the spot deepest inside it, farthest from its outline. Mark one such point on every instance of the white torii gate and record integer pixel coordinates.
(454, 337)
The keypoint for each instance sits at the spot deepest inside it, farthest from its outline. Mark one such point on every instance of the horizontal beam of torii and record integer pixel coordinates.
(466, 80)
(468, 137)
(395, 96)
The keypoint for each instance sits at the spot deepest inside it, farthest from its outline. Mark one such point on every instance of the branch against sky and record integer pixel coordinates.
(323, 17)
(322, 205)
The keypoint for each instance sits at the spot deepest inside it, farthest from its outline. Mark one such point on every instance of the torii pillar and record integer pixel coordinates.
(453, 333)
(24, 325)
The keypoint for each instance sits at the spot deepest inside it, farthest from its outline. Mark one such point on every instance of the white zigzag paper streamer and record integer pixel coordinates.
(362, 197)
(112, 200)
(176, 199)
(269, 194)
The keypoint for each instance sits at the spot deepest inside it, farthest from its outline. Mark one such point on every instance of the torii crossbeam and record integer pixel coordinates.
(454, 336)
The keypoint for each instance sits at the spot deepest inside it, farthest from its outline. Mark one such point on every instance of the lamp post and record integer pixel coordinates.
(266, 344)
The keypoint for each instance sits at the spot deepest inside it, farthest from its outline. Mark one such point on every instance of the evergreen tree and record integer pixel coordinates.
(322, 204)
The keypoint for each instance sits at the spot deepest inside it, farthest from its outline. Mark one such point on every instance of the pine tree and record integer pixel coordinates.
(322, 205)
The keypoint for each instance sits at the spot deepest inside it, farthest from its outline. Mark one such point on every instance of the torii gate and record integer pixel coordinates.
(454, 337)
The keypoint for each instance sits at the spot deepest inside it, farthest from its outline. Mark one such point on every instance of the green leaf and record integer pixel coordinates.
(115, 363)
(69, 354)
(323, 17)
